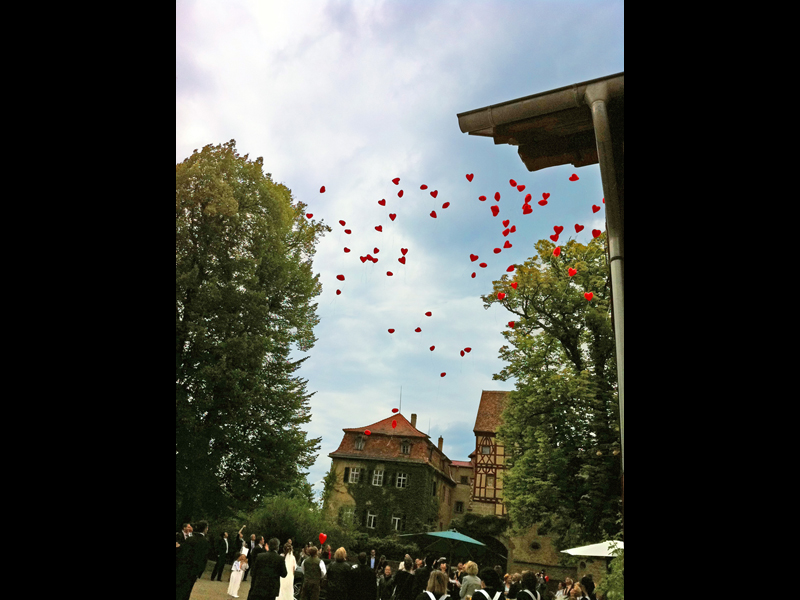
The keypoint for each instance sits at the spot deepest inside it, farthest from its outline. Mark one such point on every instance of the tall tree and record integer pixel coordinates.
(244, 291)
(561, 424)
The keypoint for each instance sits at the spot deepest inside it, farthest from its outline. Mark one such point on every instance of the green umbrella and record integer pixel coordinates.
(450, 544)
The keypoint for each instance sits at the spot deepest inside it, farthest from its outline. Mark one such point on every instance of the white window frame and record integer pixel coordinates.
(396, 522)
(377, 478)
(349, 515)
(355, 474)
(371, 518)
(486, 450)
(360, 443)
(405, 448)
(402, 477)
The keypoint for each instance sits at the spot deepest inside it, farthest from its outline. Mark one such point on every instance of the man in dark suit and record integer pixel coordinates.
(184, 534)
(222, 551)
(364, 585)
(421, 577)
(251, 546)
(268, 568)
(251, 559)
(191, 561)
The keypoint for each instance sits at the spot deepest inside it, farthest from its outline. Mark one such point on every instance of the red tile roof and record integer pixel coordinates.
(490, 411)
(403, 428)
(462, 463)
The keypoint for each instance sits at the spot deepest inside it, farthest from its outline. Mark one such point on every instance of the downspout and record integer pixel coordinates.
(596, 97)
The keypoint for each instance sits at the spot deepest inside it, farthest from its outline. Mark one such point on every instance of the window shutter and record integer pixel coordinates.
(346, 474)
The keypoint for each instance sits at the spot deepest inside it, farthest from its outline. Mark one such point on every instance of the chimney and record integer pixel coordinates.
(441, 441)
(413, 420)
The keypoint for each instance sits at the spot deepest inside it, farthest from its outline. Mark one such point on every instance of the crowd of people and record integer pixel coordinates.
(272, 568)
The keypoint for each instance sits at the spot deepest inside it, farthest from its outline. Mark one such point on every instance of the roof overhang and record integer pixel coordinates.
(551, 128)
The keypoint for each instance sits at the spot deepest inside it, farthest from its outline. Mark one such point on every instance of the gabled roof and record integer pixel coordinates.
(490, 411)
(462, 463)
(384, 427)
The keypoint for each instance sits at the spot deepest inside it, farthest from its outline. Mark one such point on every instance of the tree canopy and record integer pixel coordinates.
(561, 424)
(244, 301)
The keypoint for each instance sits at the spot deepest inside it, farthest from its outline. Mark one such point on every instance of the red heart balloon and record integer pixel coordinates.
(573, 177)
(341, 223)
(506, 232)
(322, 190)
(511, 268)
(514, 285)
(526, 210)
(443, 374)
(347, 231)
(394, 410)
(435, 193)
(338, 292)
(433, 214)
(554, 237)
(369, 257)
(423, 187)
(507, 244)
(467, 350)
(473, 257)
(513, 228)
(557, 251)
(402, 260)
(429, 314)
(400, 194)
(482, 198)
(528, 198)
(512, 182)
(418, 329)
(432, 347)
(473, 275)
(367, 432)
(470, 176)
(403, 251)
(379, 228)
(462, 353)
(382, 202)
(497, 196)
(595, 208)
(589, 295)
(500, 295)
(346, 249)
(596, 232)
(340, 277)
(376, 250)
(511, 324)
(520, 188)
(542, 202)
(322, 538)
(497, 250)
(396, 180)
(506, 222)
(604, 200)
(391, 331)
(578, 228)
(545, 195)
(363, 258)
(389, 273)
(495, 210)
(558, 228)
(445, 205)
(571, 271)
(394, 424)
(483, 265)
(309, 215)
(392, 216)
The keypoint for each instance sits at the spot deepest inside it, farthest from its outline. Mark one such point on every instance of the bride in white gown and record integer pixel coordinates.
(287, 583)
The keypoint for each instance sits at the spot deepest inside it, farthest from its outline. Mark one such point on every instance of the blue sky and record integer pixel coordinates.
(350, 95)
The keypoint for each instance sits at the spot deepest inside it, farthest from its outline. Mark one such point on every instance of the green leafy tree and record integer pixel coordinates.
(244, 291)
(561, 424)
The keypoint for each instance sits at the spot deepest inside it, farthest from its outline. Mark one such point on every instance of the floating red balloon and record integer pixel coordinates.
(511, 268)
(482, 198)
(338, 292)
(473, 257)
(435, 193)
(483, 265)
(596, 232)
(423, 187)
(573, 177)
(473, 275)
(512, 182)
(507, 244)
(520, 188)
(495, 210)
(363, 258)
(418, 329)
(432, 347)
(497, 251)
(392, 216)
(526, 209)
(506, 222)
(554, 237)
(394, 424)
(391, 331)
(511, 324)
(506, 232)
(403, 251)
(389, 273)
(376, 250)
(396, 180)
(322, 538)
(382, 202)
(340, 277)
(595, 208)
(467, 350)
(497, 196)
(578, 228)
(571, 271)
(462, 353)
(309, 215)
(445, 205)
(367, 432)
(557, 251)
(514, 285)
(341, 222)
(394, 410)
(542, 202)
(402, 260)
(346, 249)
(443, 374)
(429, 314)
(558, 228)
(589, 295)
(545, 195)
(513, 228)
(470, 176)
(348, 231)
(400, 194)
(322, 190)
(528, 198)
(500, 295)
(379, 228)
(433, 214)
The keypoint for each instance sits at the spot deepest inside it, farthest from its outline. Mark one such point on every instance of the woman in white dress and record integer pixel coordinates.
(287, 583)
(237, 570)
